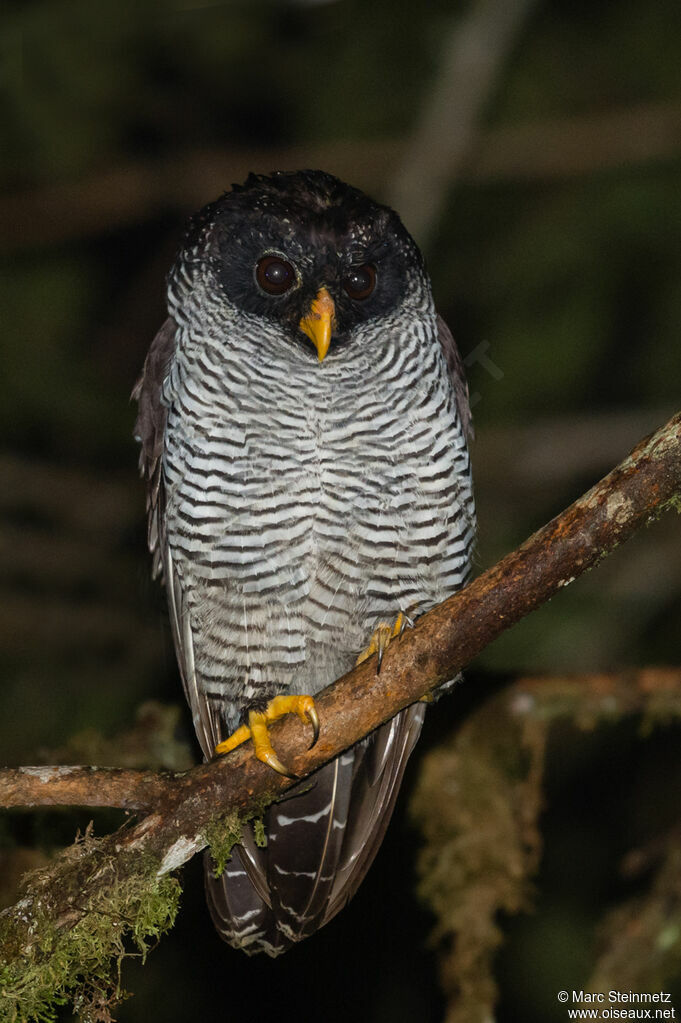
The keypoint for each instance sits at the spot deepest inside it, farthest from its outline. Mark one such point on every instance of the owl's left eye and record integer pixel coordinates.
(360, 282)
(274, 275)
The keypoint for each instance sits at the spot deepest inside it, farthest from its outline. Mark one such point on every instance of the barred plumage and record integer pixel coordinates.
(296, 503)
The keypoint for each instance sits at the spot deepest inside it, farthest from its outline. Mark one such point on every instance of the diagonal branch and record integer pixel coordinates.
(443, 641)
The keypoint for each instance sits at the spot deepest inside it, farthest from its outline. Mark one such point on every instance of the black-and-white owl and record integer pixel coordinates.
(303, 418)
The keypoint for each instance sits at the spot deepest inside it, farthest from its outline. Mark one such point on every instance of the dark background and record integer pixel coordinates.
(534, 151)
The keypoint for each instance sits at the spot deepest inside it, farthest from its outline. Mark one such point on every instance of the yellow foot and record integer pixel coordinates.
(382, 636)
(257, 729)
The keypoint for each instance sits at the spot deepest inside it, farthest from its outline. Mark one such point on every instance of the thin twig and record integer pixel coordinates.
(475, 50)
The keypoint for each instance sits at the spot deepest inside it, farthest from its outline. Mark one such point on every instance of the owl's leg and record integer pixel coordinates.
(382, 636)
(258, 725)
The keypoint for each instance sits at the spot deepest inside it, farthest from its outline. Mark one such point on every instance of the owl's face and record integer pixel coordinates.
(308, 252)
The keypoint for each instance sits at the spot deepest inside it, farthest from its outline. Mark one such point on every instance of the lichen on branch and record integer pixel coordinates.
(124, 914)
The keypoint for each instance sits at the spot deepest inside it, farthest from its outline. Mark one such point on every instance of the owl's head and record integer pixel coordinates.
(307, 251)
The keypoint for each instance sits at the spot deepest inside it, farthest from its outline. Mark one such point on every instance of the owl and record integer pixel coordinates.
(303, 419)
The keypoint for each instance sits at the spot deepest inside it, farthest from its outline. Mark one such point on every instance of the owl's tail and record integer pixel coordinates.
(321, 840)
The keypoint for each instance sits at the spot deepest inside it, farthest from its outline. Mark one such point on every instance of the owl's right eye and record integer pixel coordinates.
(274, 275)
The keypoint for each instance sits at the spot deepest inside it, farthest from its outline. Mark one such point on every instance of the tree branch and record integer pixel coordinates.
(125, 788)
(184, 806)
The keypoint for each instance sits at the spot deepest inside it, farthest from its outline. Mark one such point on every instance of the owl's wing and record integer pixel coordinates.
(150, 432)
(243, 896)
(457, 374)
(150, 427)
(378, 777)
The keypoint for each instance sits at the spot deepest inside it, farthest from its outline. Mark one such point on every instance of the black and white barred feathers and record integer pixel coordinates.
(296, 500)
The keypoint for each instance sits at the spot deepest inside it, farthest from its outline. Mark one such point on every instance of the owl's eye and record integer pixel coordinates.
(274, 275)
(360, 282)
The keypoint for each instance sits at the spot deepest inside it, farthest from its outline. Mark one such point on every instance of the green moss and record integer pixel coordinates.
(45, 966)
(259, 832)
(224, 832)
(674, 503)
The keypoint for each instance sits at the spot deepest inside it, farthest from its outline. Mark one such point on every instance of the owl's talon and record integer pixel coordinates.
(270, 758)
(257, 729)
(407, 623)
(313, 718)
(382, 636)
(241, 735)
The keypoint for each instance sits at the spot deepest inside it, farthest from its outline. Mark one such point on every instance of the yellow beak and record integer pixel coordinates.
(318, 323)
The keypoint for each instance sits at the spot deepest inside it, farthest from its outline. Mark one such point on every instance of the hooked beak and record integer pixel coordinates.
(319, 322)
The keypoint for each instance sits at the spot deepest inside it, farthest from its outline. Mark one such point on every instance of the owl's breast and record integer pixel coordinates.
(301, 511)
(395, 517)
(240, 490)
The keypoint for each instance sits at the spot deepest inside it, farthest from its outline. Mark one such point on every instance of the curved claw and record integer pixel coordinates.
(269, 757)
(304, 707)
(384, 634)
(313, 718)
(406, 623)
(382, 646)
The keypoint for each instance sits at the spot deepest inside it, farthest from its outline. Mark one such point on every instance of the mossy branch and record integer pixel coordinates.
(80, 918)
(181, 808)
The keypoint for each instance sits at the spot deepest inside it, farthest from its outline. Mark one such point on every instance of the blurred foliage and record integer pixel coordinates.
(151, 743)
(478, 802)
(573, 282)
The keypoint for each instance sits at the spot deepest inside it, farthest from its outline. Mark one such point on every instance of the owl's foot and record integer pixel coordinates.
(382, 636)
(259, 722)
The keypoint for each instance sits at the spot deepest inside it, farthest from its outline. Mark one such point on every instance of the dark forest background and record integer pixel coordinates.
(534, 150)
